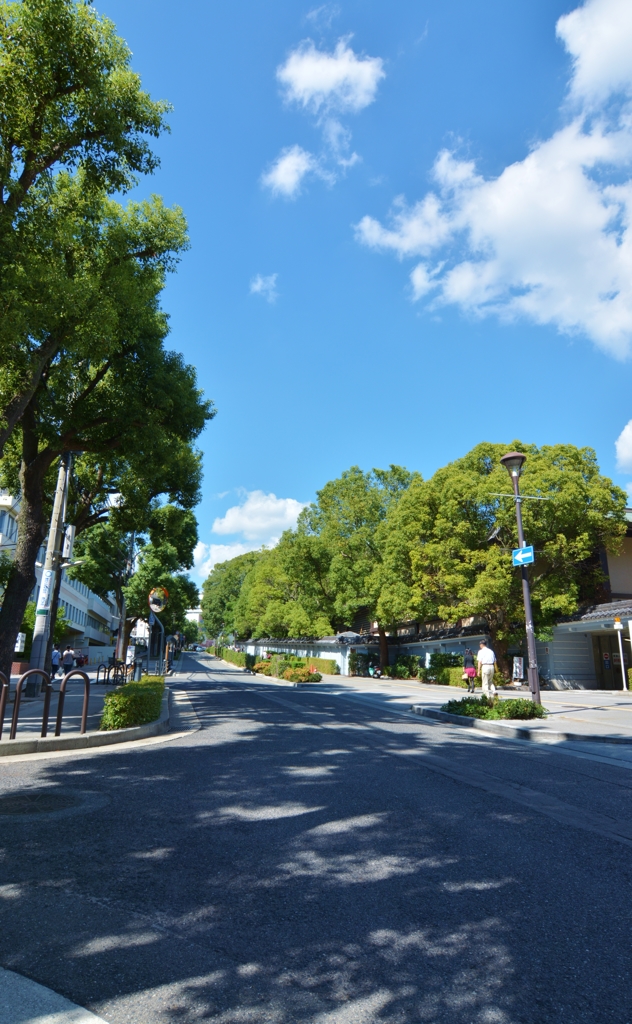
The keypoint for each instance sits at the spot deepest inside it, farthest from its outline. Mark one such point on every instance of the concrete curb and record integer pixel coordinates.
(23, 1001)
(37, 745)
(517, 732)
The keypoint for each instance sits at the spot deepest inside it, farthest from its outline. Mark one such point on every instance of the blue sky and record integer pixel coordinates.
(409, 229)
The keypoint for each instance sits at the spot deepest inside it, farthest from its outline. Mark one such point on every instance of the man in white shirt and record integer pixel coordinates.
(486, 661)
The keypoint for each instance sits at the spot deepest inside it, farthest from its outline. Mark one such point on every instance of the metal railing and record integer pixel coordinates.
(4, 696)
(62, 697)
(48, 690)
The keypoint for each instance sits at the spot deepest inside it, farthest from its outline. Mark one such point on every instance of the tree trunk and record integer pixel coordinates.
(31, 534)
(383, 647)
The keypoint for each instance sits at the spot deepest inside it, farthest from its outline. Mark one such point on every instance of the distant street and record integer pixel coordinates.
(306, 858)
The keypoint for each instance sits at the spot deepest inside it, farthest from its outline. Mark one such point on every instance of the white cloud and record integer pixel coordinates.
(259, 516)
(264, 286)
(339, 81)
(598, 36)
(286, 175)
(258, 522)
(550, 238)
(623, 446)
(207, 556)
(325, 85)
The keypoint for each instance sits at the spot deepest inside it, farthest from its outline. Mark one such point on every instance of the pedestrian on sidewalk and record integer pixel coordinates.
(68, 659)
(469, 669)
(55, 660)
(486, 663)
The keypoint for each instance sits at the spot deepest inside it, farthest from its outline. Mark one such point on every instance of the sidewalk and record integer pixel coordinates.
(31, 708)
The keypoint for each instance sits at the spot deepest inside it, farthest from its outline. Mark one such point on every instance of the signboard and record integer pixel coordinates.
(20, 643)
(69, 543)
(158, 598)
(152, 619)
(518, 670)
(523, 556)
(46, 592)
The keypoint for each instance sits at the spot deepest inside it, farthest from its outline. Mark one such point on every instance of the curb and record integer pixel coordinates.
(38, 745)
(516, 732)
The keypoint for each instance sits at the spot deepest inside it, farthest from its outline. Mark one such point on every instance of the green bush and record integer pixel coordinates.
(493, 707)
(133, 704)
(326, 665)
(439, 660)
(239, 658)
(301, 675)
(263, 667)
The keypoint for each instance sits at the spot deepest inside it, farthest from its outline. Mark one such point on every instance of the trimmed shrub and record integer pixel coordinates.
(493, 707)
(133, 704)
(263, 667)
(326, 665)
(239, 658)
(301, 675)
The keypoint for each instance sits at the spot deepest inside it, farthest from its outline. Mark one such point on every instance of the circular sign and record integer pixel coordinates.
(158, 598)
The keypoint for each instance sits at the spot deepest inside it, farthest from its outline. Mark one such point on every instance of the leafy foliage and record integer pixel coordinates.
(494, 708)
(221, 590)
(133, 704)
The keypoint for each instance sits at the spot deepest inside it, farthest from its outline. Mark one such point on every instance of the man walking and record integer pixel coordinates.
(486, 661)
(55, 660)
(68, 659)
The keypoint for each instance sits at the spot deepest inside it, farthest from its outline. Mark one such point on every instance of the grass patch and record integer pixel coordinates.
(493, 707)
(133, 704)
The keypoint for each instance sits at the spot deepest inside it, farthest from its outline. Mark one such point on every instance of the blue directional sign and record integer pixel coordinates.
(523, 556)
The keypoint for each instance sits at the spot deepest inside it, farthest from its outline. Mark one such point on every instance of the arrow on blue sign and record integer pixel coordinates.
(523, 556)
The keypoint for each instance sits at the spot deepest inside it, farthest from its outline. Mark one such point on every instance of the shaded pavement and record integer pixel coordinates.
(305, 857)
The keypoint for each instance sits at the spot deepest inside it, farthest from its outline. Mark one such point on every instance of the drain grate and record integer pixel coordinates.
(43, 802)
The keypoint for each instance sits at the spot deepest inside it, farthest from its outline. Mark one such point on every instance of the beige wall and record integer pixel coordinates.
(620, 569)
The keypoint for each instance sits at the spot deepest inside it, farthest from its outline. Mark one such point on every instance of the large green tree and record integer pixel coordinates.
(159, 566)
(221, 590)
(348, 518)
(446, 546)
(140, 402)
(285, 592)
(70, 102)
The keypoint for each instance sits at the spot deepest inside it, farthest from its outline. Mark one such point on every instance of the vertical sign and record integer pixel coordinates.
(46, 592)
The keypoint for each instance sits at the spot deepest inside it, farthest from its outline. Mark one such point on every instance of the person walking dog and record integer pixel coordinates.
(486, 661)
(469, 670)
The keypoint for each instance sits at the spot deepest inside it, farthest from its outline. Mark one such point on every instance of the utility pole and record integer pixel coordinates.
(51, 565)
(513, 463)
(120, 640)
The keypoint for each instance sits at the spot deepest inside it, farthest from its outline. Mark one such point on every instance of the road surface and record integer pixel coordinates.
(306, 858)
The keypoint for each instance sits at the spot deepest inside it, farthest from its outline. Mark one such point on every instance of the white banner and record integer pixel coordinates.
(46, 591)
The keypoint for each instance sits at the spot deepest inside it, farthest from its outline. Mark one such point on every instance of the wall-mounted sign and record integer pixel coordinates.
(158, 598)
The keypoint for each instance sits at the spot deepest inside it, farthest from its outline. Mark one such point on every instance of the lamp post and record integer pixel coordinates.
(513, 463)
(618, 625)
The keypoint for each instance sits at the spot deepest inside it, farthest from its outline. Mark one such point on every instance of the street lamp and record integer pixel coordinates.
(618, 625)
(513, 463)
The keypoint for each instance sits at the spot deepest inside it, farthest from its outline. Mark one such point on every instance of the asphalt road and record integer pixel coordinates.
(311, 859)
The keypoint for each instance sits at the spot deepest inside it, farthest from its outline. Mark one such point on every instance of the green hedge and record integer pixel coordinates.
(326, 665)
(133, 704)
(235, 657)
(494, 708)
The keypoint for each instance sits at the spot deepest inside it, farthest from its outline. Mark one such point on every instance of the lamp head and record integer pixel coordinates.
(513, 462)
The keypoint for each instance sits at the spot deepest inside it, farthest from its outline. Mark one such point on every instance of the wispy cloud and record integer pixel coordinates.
(326, 85)
(323, 15)
(550, 238)
(264, 286)
(285, 176)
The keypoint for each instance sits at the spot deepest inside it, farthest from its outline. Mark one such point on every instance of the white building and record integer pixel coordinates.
(91, 619)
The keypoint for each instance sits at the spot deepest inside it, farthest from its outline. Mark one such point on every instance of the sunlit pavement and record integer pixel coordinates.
(312, 857)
